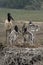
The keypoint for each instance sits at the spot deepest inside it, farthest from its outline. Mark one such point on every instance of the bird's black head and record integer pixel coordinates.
(16, 28)
(9, 17)
(8, 14)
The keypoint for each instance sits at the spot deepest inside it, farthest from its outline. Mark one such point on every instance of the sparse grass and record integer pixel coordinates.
(20, 14)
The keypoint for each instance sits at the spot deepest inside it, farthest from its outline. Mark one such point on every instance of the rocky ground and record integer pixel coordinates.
(21, 56)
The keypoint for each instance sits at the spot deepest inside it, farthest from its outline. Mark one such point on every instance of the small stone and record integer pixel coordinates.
(31, 62)
(12, 63)
(39, 57)
(34, 59)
